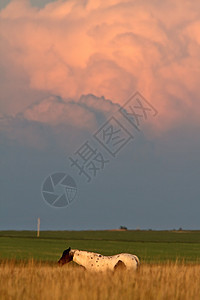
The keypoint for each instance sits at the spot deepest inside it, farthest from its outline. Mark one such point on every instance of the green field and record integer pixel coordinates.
(149, 246)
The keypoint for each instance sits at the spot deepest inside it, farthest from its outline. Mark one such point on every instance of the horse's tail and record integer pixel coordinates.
(137, 261)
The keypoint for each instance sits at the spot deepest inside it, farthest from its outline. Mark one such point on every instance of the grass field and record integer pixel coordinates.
(149, 246)
(170, 265)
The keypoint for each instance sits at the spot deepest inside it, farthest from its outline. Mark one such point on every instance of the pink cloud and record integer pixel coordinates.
(53, 110)
(107, 48)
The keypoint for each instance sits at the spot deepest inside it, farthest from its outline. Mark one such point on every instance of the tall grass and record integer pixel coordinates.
(170, 281)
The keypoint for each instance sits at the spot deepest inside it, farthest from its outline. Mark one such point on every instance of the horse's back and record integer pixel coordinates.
(98, 262)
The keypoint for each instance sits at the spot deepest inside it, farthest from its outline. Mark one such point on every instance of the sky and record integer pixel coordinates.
(99, 111)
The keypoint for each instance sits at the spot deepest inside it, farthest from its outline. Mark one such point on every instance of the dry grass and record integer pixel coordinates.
(34, 281)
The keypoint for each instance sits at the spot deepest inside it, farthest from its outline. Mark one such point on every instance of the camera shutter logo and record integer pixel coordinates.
(59, 189)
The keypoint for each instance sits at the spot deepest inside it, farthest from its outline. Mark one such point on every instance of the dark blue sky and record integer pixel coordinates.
(152, 183)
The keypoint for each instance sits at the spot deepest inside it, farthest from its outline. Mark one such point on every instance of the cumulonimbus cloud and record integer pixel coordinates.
(81, 114)
(106, 48)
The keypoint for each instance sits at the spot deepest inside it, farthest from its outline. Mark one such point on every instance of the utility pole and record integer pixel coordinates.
(38, 227)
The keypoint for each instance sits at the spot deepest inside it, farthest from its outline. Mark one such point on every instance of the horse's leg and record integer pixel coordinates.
(120, 266)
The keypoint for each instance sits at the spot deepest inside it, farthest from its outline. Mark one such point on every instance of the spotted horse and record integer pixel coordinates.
(96, 262)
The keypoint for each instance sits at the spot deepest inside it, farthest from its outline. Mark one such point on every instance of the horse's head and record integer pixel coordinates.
(66, 257)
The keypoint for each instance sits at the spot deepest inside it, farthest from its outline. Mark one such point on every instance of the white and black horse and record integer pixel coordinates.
(96, 262)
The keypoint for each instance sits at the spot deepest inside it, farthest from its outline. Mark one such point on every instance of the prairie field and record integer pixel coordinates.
(170, 265)
(36, 281)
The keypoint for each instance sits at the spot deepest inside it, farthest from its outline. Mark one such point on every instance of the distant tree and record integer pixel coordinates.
(123, 228)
